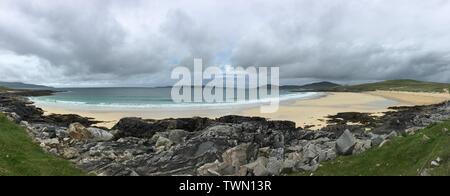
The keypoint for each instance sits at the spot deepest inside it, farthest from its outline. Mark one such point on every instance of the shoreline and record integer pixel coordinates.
(304, 112)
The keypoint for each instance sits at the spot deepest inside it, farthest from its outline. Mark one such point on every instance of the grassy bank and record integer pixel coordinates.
(19, 156)
(404, 156)
(396, 85)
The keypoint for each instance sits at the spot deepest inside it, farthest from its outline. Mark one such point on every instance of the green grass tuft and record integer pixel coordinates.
(19, 156)
(404, 156)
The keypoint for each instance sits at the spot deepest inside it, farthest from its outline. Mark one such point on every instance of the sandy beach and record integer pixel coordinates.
(302, 112)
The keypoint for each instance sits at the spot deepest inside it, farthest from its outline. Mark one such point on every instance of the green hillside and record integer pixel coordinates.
(404, 156)
(396, 85)
(19, 156)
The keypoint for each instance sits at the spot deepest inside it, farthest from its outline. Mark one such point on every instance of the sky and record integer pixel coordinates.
(139, 42)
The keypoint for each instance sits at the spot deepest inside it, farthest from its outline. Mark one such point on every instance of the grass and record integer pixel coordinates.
(397, 85)
(3, 89)
(404, 156)
(19, 156)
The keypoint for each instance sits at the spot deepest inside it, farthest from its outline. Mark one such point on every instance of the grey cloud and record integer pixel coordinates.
(139, 42)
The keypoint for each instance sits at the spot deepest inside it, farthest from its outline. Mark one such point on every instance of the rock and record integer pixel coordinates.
(13, 117)
(234, 158)
(310, 151)
(412, 130)
(289, 166)
(64, 120)
(425, 138)
(277, 153)
(51, 142)
(376, 140)
(362, 146)
(274, 166)
(438, 159)
(137, 127)
(53, 151)
(177, 135)
(25, 124)
(384, 143)
(445, 130)
(134, 127)
(392, 135)
(346, 143)
(264, 152)
(70, 153)
(425, 172)
(100, 134)
(163, 144)
(78, 132)
(257, 168)
(209, 169)
(435, 164)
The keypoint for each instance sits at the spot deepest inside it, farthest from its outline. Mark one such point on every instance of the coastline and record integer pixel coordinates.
(304, 112)
(139, 147)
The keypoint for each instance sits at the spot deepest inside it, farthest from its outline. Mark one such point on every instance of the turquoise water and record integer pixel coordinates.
(140, 97)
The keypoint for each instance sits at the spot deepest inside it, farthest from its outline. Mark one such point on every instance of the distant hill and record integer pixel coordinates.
(19, 85)
(396, 85)
(318, 86)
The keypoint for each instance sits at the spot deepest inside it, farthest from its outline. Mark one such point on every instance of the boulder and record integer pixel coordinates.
(392, 135)
(345, 143)
(376, 140)
(274, 166)
(70, 153)
(13, 117)
(50, 142)
(235, 157)
(100, 134)
(163, 144)
(78, 132)
(362, 146)
(209, 169)
(177, 136)
(289, 166)
(257, 168)
(435, 164)
(134, 127)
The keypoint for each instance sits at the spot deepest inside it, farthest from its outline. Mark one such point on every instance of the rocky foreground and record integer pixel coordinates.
(231, 145)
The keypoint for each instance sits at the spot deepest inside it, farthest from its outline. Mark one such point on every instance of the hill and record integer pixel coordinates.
(21, 157)
(318, 86)
(19, 85)
(396, 85)
(404, 156)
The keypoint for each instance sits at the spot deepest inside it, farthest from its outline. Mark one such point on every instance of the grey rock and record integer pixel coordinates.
(50, 142)
(274, 166)
(70, 153)
(79, 132)
(209, 169)
(392, 135)
(100, 134)
(376, 140)
(362, 146)
(435, 164)
(346, 143)
(257, 168)
(177, 135)
(235, 157)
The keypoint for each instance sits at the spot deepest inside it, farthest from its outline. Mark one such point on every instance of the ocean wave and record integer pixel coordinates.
(281, 98)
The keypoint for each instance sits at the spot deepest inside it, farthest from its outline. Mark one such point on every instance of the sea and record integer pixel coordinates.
(136, 97)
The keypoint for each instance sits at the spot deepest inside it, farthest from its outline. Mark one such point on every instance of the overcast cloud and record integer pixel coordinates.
(117, 43)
